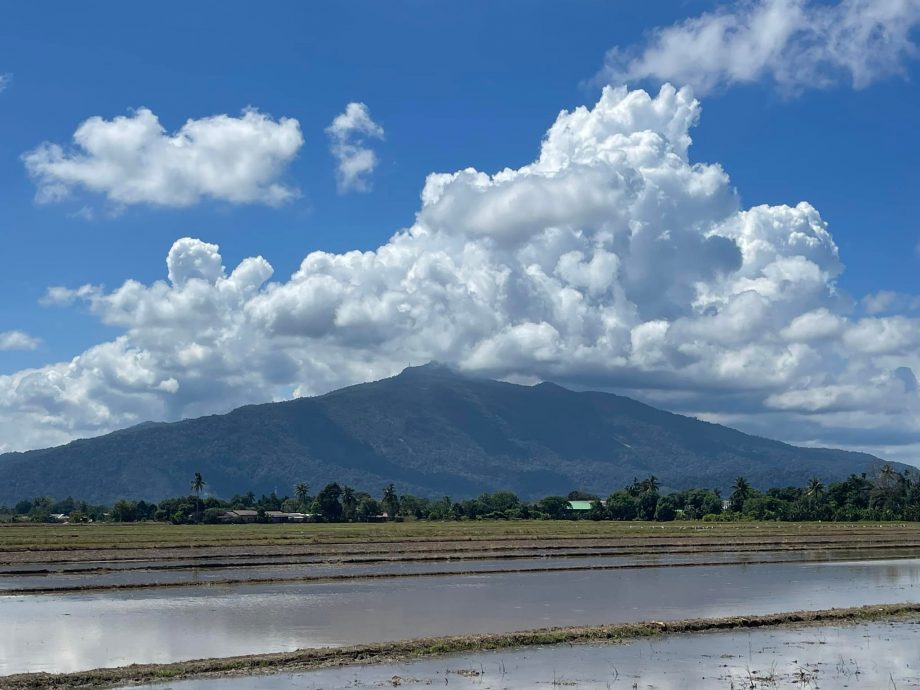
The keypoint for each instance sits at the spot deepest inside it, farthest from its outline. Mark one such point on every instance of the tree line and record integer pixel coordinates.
(887, 495)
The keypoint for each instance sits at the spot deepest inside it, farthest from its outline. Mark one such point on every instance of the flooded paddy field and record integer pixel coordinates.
(50, 578)
(871, 655)
(70, 632)
(75, 598)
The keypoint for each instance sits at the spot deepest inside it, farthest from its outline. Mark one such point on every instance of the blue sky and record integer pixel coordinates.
(452, 86)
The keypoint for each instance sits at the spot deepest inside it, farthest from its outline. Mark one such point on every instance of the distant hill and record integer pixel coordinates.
(431, 431)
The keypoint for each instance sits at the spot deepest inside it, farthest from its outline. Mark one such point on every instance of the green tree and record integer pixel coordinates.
(328, 502)
(666, 509)
(349, 502)
(502, 501)
(440, 509)
(622, 505)
(270, 502)
(581, 496)
(812, 504)
(766, 507)
(850, 498)
(390, 502)
(367, 508)
(886, 474)
(417, 506)
(889, 491)
(814, 488)
(912, 496)
(555, 507)
(124, 511)
(197, 486)
(700, 502)
(301, 491)
(41, 509)
(648, 504)
(598, 511)
(741, 491)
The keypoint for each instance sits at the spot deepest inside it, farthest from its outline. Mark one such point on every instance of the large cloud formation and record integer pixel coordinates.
(610, 261)
(796, 44)
(133, 160)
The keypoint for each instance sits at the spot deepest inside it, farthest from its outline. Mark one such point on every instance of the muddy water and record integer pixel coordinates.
(879, 655)
(112, 574)
(58, 633)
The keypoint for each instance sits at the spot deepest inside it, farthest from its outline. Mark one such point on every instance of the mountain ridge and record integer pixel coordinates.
(432, 431)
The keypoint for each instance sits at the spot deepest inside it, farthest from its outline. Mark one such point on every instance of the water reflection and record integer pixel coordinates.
(106, 574)
(74, 632)
(878, 655)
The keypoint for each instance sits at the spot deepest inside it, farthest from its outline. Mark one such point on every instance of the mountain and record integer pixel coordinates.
(431, 431)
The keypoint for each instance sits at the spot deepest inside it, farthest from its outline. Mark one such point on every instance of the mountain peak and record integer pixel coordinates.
(432, 368)
(433, 430)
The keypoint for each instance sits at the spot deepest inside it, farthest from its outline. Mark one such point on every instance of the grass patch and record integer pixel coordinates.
(118, 536)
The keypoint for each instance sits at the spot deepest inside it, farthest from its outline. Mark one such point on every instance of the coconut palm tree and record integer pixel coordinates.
(301, 490)
(741, 491)
(197, 486)
(390, 502)
(814, 489)
(889, 489)
(349, 502)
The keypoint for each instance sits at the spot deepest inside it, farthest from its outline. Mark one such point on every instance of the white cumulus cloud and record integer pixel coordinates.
(612, 260)
(133, 160)
(5, 80)
(889, 301)
(18, 340)
(797, 44)
(348, 142)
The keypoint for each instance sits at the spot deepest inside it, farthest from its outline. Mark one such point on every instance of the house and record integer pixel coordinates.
(58, 517)
(301, 517)
(275, 516)
(240, 516)
(580, 506)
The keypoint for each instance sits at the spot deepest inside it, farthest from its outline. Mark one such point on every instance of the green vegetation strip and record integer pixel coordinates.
(691, 539)
(403, 549)
(153, 535)
(394, 652)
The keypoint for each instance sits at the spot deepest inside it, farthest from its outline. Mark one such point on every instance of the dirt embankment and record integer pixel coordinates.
(303, 660)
